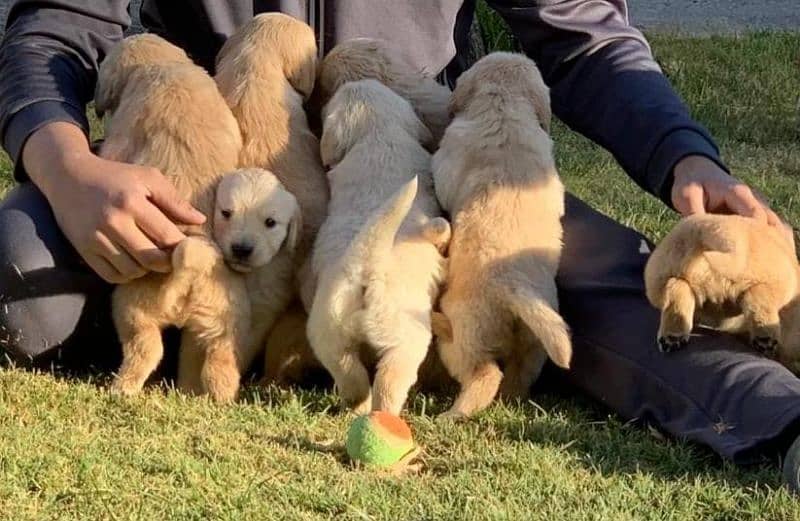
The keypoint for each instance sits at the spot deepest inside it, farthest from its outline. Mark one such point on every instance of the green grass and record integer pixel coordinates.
(69, 450)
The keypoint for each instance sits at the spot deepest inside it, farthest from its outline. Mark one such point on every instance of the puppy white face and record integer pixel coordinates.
(254, 217)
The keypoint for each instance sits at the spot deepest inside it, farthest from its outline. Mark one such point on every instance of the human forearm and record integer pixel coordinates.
(54, 152)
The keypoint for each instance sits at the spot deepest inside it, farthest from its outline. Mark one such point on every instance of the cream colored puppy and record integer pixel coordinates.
(368, 58)
(494, 173)
(731, 273)
(265, 71)
(377, 256)
(167, 113)
(257, 224)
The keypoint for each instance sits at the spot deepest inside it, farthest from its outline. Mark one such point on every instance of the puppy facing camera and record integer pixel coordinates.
(730, 273)
(254, 217)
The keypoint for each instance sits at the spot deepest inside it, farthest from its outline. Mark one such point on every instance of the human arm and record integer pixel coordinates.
(114, 214)
(606, 85)
(118, 216)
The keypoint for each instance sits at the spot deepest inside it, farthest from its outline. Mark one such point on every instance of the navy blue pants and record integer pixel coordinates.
(717, 391)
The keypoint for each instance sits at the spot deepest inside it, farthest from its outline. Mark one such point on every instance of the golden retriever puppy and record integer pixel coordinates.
(203, 298)
(142, 49)
(494, 173)
(257, 224)
(368, 58)
(377, 255)
(727, 272)
(288, 357)
(265, 71)
(167, 113)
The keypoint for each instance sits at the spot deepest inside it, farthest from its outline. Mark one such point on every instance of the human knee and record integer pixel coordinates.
(39, 299)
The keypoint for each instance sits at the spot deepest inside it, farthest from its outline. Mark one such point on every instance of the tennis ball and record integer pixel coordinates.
(379, 439)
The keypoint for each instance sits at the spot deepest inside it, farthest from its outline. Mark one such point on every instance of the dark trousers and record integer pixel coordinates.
(717, 391)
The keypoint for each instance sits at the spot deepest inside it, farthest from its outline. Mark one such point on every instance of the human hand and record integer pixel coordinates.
(119, 217)
(701, 186)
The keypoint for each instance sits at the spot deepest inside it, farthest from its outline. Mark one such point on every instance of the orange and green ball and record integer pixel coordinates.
(379, 439)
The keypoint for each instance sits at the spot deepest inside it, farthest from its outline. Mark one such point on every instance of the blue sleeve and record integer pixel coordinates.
(606, 85)
(48, 64)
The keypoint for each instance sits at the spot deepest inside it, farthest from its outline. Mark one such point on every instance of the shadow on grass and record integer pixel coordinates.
(557, 418)
(602, 443)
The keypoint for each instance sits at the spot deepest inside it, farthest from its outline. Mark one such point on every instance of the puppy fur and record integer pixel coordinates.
(288, 357)
(377, 256)
(367, 58)
(265, 71)
(494, 173)
(727, 272)
(258, 224)
(167, 113)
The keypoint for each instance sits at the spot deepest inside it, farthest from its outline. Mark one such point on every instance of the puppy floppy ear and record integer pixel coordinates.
(295, 231)
(108, 90)
(331, 146)
(424, 135)
(296, 44)
(462, 94)
(539, 94)
(302, 74)
(541, 105)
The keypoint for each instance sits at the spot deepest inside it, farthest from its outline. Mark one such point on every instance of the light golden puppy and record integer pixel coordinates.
(377, 256)
(167, 113)
(203, 298)
(265, 71)
(257, 224)
(142, 49)
(494, 172)
(368, 58)
(288, 357)
(730, 273)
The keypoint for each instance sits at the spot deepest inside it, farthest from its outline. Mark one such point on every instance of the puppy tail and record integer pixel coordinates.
(545, 323)
(372, 246)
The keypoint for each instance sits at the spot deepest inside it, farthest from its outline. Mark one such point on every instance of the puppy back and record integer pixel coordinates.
(172, 117)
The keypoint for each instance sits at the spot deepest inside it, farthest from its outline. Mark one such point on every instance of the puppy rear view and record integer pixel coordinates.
(377, 256)
(728, 272)
(495, 174)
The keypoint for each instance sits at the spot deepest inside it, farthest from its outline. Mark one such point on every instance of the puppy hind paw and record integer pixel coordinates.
(123, 387)
(669, 343)
(765, 345)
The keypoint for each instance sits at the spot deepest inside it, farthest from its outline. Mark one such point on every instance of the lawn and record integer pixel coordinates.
(70, 450)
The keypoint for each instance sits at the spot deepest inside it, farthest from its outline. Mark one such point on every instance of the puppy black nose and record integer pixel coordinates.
(241, 250)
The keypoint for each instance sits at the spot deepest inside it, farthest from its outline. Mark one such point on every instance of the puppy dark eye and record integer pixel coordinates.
(270, 222)
(226, 214)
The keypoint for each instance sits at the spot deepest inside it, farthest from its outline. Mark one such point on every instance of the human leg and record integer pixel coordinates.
(53, 306)
(716, 391)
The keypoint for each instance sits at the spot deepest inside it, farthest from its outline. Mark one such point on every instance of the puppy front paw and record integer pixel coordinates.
(669, 343)
(124, 387)
(453, 416)
(364, 407)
